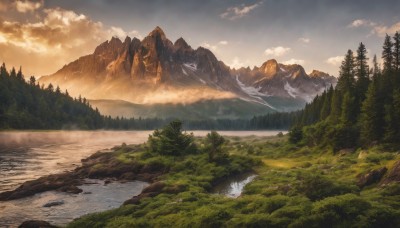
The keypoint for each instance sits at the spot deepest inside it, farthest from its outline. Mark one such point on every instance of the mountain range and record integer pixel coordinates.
(131, 76)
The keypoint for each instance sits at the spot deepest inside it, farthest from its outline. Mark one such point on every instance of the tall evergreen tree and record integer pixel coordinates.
(336, 108)
(346, 78)
(387, 54)
(347, 116)
(376, 70)
(371, 120)
(362, 72)
(396, 51)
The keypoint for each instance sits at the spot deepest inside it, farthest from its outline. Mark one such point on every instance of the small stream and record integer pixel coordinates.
(233, 186)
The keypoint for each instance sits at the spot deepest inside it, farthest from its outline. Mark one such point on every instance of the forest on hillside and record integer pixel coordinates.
(363, 109)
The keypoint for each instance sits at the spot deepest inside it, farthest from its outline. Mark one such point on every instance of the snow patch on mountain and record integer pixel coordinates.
(253, 92)
(191, 66)
(184, 72)
(291, 91)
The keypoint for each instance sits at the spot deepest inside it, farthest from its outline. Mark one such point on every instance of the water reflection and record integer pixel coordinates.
(96, 197)
(233, 187)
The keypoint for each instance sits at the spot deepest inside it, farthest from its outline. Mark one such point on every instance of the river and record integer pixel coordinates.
(28, 155)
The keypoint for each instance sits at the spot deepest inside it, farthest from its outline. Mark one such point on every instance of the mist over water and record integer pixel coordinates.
(28, 155)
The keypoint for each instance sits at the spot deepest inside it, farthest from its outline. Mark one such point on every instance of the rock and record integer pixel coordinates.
(54, 203)
(36, 224)
(128, 176)
(150, 191)
(393, 175)
(87, 193)
(155, 187)
(62, 182)
(70, 189)
(371, 177)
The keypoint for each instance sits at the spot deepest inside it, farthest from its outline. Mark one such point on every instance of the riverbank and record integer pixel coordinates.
(295, 186)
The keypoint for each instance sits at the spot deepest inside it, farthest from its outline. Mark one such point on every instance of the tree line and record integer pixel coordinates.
(364, 107)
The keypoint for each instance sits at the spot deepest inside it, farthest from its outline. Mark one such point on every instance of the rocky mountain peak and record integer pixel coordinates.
(181, 44)
(270, 67)
(157, 32)
(318, 74)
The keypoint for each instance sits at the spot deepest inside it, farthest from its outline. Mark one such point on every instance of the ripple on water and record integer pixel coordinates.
(101, 197)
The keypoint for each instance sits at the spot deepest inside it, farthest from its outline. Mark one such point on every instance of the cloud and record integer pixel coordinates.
(214, 47)
(361, 23)
(209, 46)
(58, 36)
(276, 51)
(3, 6)
(294, 61)
(304, 40)
(27, 6)
(378, 29)
(238, 63)
(335, 61)
(382, 30)
(233, 13)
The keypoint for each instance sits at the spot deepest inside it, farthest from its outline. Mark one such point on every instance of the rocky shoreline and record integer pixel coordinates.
(101, 165)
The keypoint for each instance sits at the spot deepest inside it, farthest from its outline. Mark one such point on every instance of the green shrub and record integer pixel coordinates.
(172, 141)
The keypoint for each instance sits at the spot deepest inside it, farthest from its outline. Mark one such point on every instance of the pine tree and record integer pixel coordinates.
(371, 121)
(377, 70)
(396, 51)
(347, 116)
(32, 81)
(387, 54)
(346, 79)
(336, 109)
(362, 72)
(326, 107)
(19, 74)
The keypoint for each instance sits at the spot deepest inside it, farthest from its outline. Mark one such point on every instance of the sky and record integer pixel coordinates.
(43, 35)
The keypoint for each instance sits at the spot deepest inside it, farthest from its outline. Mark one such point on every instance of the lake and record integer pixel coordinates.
(28, 155)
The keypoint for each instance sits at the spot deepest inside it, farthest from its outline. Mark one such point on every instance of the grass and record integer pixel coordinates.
(296, 187)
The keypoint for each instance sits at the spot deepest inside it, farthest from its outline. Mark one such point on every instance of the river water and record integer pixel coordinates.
(28, 155)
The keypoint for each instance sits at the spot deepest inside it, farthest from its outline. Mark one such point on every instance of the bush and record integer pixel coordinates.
(317, 187)
(295, 134)
(171, 141)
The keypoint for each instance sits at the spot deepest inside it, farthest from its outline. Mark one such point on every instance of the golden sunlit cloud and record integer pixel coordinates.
(277, 51)
(58, 36)
(28, 6)
(336, 60)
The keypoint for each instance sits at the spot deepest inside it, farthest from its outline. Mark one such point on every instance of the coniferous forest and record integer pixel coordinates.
(363, 109)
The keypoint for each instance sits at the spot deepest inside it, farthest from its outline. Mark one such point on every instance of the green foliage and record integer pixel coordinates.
(214, 143)
(301, 187)
(317, 187)
(362, 112)
(172, 141)
(295, 134)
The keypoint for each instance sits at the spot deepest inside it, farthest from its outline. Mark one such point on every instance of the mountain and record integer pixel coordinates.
(156, 71)
(273, 79)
